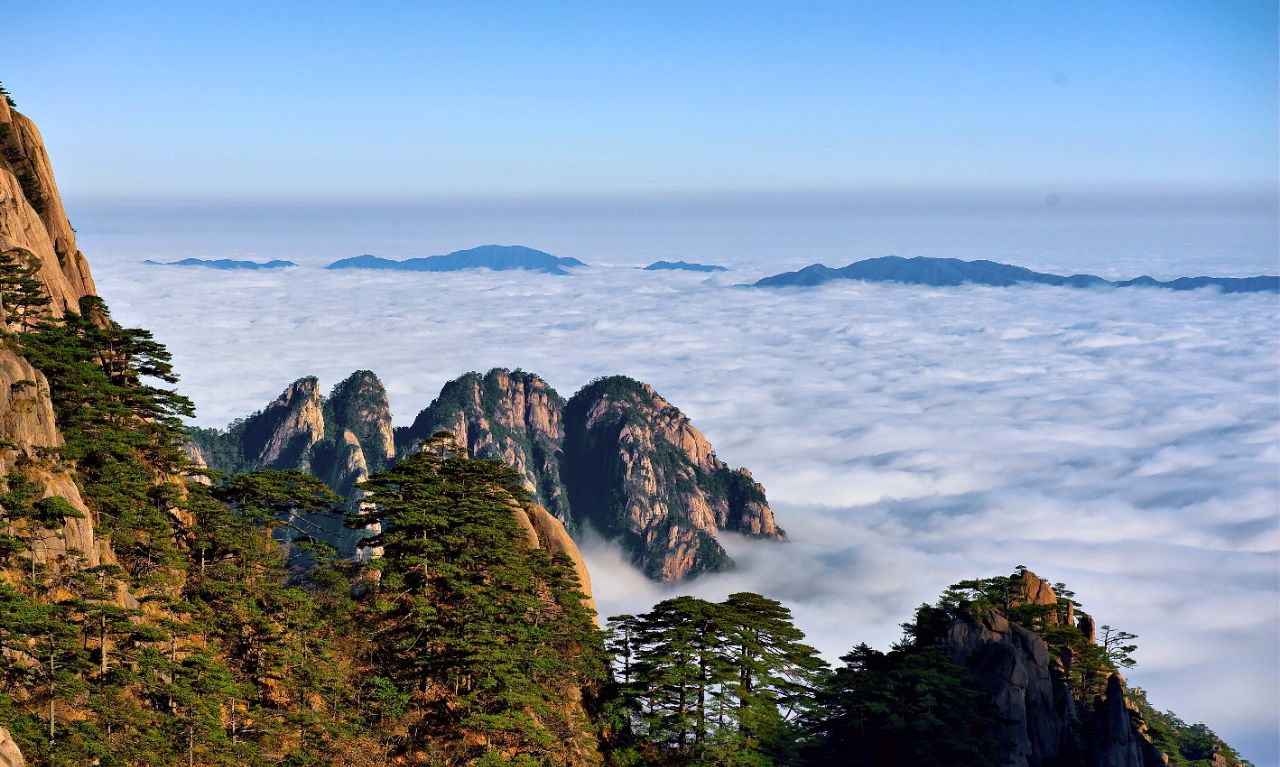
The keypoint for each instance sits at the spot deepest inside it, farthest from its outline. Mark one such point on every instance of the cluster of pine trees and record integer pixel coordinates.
(701, 682)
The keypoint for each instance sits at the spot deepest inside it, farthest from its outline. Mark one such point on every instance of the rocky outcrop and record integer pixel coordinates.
(28, 440)
(34, 226)
(341, 439)
(10, 756)
(641, 473)
(359, 406)
(510, 416)
(282, 435)
(1035, 709)
(617, 456)
(1115, 742)
(547, 533)
(32, 219)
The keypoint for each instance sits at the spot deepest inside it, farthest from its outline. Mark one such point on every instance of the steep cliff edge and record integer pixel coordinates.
(32, 219)
(1057, 696)
(35, 231)
(641, 473)
(1004, 671)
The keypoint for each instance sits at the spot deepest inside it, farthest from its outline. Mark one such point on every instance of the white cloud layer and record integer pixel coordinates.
(1123, 442)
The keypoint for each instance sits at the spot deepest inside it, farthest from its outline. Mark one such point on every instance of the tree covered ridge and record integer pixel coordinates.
(196, 642)
(732, 683)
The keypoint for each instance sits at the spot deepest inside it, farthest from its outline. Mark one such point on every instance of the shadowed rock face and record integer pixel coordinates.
(509, 416)
(1033, 704)
(1036, 714)
(642, 474)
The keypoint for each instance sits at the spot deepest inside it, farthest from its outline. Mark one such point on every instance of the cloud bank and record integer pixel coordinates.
(1127, 444)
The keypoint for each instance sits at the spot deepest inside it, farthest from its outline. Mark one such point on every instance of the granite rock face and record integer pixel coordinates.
(10, 756)
(29, 437)
(1033, 704)
(546, 532)
(1036, 713)
(510, 416)
(32, 219)
(642, 474)
(1115, 740)
(340, 439)
(616, 456)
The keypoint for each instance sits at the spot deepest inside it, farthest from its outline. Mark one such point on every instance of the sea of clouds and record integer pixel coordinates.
(1127, 443)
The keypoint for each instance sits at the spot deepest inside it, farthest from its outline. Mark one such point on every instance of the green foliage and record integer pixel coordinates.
(22, 293)
(8, 98)
(911, 707)
(347, 406)
(713, 683)
(33, 190)
(477, 627)
(120, 431)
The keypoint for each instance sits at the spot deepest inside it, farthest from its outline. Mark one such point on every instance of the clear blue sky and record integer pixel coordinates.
(413, 99)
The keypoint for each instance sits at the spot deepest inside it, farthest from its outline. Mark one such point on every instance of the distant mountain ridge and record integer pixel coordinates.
(495, 257)
(945, 272)
(684, 266)
(225, 264)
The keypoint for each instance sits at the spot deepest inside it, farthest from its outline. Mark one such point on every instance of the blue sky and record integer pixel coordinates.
(334, 100)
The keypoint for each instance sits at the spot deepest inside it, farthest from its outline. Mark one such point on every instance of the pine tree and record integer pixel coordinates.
(23, 295)
(714, 683)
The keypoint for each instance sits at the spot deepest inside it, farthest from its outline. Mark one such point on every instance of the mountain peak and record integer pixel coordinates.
(494, 257)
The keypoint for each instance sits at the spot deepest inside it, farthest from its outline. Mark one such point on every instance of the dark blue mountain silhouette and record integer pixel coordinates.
(941, 272)
(684, 266)
(496, 257)
(222, 263)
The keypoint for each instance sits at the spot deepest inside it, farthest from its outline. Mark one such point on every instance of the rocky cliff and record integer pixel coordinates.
(35, 229)
(142, 617)
(340, 439)
(616, 456)
(510, 416)
(32, 219)
(1039, 714)
(641, 473)
(10, 756)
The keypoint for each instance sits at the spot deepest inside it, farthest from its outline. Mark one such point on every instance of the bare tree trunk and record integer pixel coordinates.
(52, 694)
